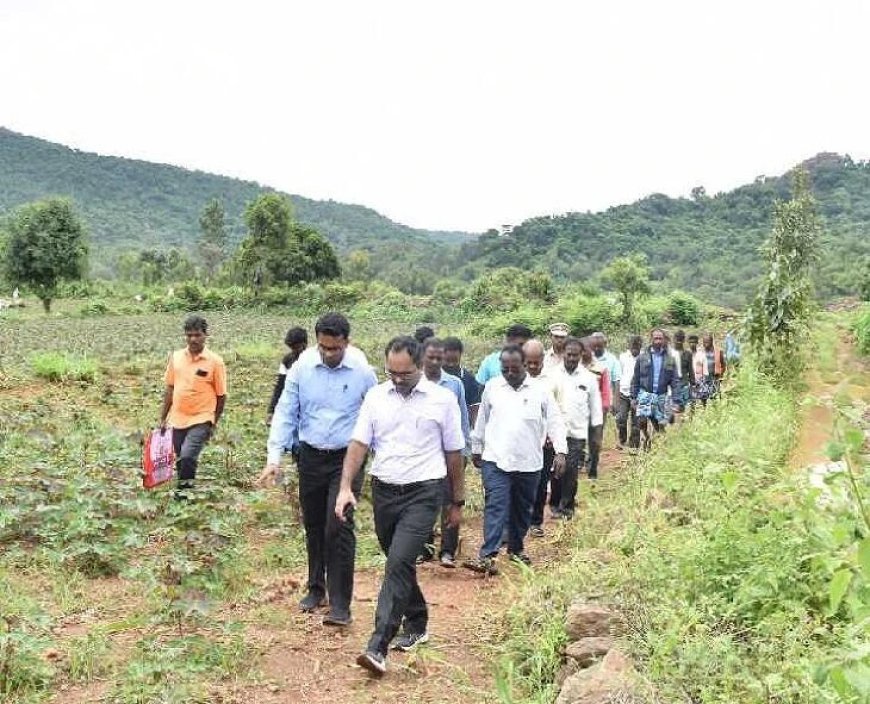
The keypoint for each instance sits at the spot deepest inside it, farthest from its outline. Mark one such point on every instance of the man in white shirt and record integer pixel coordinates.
(558, 335)
(625, 413)
(535, 366)
(515, 414)
(414, 428)
(579, 398)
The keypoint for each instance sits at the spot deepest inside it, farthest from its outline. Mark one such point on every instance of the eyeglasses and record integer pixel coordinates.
(400, 375)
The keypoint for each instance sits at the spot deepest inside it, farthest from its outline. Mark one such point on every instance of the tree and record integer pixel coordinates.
(630, 277)
(213, 237)
(46, 245)
(779, 317)
(279, 250)
(358, 266)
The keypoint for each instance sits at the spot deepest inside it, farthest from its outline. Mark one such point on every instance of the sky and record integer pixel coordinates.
(455, 115)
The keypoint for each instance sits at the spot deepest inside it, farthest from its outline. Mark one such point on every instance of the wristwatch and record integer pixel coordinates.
(460, 504)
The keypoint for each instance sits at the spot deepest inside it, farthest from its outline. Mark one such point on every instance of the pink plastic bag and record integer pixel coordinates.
(158, 458)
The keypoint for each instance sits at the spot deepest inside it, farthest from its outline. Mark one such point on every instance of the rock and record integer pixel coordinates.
(569, 667)
(586, 651)
(611, 680)
(588, 621)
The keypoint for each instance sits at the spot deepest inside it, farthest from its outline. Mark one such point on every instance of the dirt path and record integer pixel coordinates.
(839, 373)
(303, 661)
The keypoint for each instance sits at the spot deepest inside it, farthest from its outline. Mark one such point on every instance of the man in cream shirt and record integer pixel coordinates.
(579, 398)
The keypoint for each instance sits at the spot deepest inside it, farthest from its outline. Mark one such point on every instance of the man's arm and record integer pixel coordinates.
(635, 379)
(353, 460)
(219, 408)
(456, 474)
(479, 432)
(285, 421)
(167, 404)
(463, 414)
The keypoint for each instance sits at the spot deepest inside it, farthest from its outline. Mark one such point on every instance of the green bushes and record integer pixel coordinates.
(507, 289)
(586, 314)
(59, 366)
(862, 330)
(684, 309)
(734, 584)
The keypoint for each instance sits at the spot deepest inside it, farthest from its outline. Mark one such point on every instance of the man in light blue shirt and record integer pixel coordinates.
(315, 417)
(433, 362)
(490, 367)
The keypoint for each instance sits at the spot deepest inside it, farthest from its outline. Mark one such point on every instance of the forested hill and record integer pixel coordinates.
(704, 244)
(131, 204)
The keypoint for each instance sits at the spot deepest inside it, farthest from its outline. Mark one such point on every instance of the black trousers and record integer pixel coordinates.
(576, 453)
(404, 516)
(593, 445)
(543, 485)
(188, 443)
(331, 543)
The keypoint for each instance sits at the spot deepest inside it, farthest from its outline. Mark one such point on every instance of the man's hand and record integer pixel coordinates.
(268, 475)
(477, 460)
(559, 464)
(163, 427)
(343, 502)
(454, 516)
(268, 420)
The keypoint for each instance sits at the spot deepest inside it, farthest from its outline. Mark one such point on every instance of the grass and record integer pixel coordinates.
(126, 587)
(60, 366)
(706, 547)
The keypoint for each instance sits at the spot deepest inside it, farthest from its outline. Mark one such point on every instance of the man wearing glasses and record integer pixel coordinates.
(414, 428)
(314, 417)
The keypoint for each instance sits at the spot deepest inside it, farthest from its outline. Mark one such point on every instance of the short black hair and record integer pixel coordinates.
(635, 340)
(693, 337)
(519, 330)
(512, 349)
(332, 324)
(295, 336)
(680, 336)
(453, 344)
(432, 342)
(195, 322)
(574, 341)
(405, 343)
(423, 333)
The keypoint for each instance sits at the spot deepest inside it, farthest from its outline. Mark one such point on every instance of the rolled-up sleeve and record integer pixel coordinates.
(285, 421)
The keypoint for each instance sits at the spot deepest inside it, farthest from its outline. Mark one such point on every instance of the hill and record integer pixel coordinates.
(704, 244)
(132, 204)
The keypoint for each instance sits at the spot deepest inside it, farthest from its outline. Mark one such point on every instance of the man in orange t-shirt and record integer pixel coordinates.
(196, 390)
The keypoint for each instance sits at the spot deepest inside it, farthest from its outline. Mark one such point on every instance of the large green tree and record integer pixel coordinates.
(46, 245)
(278, 249)
(212, 237)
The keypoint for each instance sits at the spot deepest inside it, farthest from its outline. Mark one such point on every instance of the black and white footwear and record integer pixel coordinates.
(373, 662)
(447, 560)
(520, 557)
(483, 565)
(408, 641)
(536, 532)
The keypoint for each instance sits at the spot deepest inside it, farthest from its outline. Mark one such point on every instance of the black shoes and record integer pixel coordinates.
(312, 601)
(337, 619)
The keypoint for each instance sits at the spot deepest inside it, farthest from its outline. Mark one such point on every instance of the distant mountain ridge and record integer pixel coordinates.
(134, 204)
(705, 244)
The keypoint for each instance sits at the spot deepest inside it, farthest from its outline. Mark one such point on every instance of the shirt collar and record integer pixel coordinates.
(526, 382)
(201, 355)
(346, 361)
(423, 386)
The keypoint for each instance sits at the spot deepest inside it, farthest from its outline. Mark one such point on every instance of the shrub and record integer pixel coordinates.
(587, 314)
(508, 289)
(684, 309)
(537, 319)
(59, 366)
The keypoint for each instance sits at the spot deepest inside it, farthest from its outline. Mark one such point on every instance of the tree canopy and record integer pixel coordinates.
(46, 245)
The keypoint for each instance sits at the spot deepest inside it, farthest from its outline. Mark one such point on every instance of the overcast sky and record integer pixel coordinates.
(450, 115)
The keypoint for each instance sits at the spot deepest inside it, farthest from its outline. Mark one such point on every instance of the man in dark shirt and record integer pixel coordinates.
(296, 340)
(453, 365)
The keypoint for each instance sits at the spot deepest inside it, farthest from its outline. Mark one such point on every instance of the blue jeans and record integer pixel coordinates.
(508, 501)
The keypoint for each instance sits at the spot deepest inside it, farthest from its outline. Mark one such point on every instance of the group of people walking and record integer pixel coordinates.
(531, 419)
